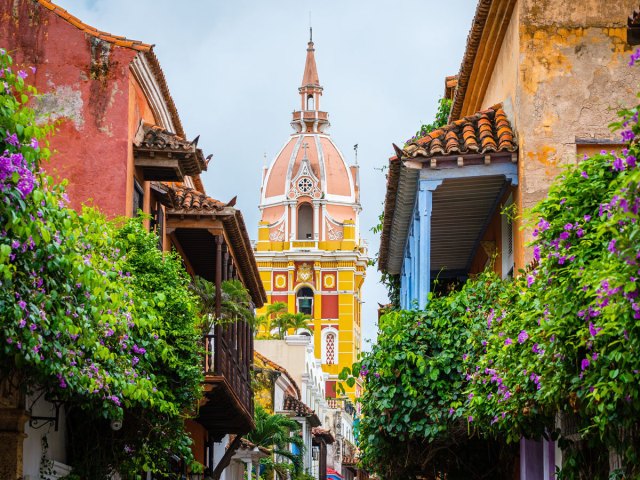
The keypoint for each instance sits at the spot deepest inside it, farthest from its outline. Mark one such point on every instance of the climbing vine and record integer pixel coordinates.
(90, 310)
(554, 353)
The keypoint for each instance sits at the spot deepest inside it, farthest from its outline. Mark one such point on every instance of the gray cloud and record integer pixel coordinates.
(234, 67)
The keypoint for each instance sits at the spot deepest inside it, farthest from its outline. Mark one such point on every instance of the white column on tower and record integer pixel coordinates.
(293, 228)
(316, 220)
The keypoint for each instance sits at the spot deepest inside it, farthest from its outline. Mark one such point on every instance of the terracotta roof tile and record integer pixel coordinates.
(154, 140)
(486, 131)
(273, 365)
(323, 433)
(76, 22)
(292, 404)
(185, 198)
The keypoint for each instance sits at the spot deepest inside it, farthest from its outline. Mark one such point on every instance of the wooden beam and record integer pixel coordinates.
(205, 222)
(183, 255)
(226, 458)
(218, 275)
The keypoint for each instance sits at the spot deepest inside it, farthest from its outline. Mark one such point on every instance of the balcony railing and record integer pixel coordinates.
(228, 354)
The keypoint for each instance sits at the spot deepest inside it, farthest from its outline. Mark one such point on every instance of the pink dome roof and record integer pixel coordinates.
(332, 176)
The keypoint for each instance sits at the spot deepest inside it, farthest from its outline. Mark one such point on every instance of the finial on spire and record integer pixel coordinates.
(355, 149)
(310, 29)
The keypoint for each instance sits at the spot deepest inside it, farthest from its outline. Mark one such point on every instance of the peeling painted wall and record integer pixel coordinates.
(561, 73)
(85, 86)
(573, 75)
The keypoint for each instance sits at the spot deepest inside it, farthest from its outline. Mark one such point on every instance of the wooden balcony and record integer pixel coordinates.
(227, 405)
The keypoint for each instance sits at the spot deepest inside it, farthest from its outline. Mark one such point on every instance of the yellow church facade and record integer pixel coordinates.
(309, 251)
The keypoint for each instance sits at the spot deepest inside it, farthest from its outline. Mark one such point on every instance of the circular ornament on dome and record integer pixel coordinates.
(305, 185)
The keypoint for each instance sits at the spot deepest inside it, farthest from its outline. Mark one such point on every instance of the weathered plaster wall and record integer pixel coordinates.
(573, 73)
(502, 84)
(85, 87)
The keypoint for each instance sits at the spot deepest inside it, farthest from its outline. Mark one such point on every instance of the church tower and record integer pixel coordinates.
(309, 250)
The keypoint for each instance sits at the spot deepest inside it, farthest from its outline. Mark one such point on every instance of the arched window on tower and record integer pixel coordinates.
(305, 300)
(305, 222)
(310, 102)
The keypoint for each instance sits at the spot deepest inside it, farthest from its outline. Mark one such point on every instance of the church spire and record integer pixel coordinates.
(310, 119)
(310, 77)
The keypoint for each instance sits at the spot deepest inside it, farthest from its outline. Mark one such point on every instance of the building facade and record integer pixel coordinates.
(122, 148)
(309, 250)
(538, 85)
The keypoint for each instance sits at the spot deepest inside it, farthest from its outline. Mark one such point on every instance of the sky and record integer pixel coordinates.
(234, 67)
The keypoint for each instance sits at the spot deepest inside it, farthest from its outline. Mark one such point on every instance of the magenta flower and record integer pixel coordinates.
(508, 341)
(34, 143)
(612, 246)
(584, 364)
(593, 330)
(22, 74)
(584, 174)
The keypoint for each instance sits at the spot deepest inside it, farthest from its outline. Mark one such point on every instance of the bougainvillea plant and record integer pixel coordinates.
(554, 353)
(91, 313)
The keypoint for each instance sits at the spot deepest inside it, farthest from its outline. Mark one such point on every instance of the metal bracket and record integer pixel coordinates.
(40, 421)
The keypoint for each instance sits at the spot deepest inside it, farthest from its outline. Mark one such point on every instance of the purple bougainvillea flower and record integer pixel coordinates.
(618, 164)
(593, 330)
(12, 140)
(508, 341)
(612, 246)
(631, 161)
(451, 411)
(470, 418)
(522, 336)
(536, 253)
(564, 235)
(584, 174)
(584, 364)
(22, 74)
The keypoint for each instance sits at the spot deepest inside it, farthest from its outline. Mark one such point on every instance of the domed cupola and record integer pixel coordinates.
(309, 191)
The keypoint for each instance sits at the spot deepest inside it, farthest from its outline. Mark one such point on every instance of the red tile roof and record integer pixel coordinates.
(273, 365)
(107, 37)
(484, 132)
(184, 198)
(323, 433)
(292, 404)
(157, 142)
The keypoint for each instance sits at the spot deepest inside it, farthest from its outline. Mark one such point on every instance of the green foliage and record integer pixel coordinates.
(278, 432)
(235, 303)
(442, 118)
(277, 317)
(91, 311)
(414, 401)
(497, 361)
